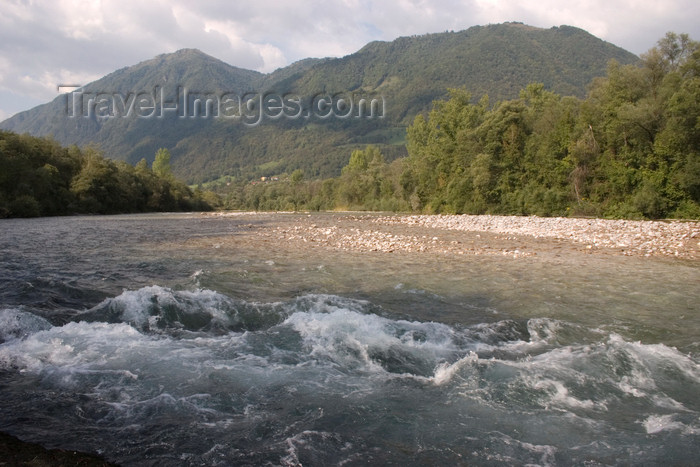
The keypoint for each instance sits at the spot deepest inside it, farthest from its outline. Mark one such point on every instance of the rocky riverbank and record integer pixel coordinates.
(627, 237)
(478, 235)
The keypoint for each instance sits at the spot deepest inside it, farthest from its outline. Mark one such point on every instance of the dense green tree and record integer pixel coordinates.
(38, 177)
(297, 176)
(96, 185)
(161, 164)
(645, 120)
(441, 150)
(360, 180)
(630, 149)
(35, 175)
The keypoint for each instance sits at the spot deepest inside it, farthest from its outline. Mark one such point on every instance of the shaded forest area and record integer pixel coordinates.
(630, 149)
(39, 177)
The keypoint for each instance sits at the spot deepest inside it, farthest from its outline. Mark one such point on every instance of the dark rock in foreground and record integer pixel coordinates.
(14, 452)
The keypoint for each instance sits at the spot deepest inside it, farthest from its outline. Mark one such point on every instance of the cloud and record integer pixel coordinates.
(635, 25)
(45, 42)
(4, 115)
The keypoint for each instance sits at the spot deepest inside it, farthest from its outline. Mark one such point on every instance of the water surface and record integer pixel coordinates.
(150, 340)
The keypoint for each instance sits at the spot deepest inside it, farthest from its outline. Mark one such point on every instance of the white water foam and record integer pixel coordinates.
(353, 339)
(658, 423)
(17, 324)
(513, 451)
(445, 372)
(323, 351)
(65, 352)
(142, 308)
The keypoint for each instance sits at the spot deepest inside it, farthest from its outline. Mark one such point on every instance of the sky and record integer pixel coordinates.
(44, 43)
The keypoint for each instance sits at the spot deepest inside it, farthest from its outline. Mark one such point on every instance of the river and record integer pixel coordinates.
(148, 340)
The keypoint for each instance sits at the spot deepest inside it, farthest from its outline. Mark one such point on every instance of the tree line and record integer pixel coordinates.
(630, 149)
(39, 177)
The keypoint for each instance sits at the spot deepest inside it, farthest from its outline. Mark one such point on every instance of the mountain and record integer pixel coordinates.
(498, 60)
(136, 110)
(132, 138)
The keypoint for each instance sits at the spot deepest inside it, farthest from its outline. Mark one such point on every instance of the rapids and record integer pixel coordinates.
(118, 336)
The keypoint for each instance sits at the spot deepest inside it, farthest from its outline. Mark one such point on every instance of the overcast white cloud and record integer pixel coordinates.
(47, 42)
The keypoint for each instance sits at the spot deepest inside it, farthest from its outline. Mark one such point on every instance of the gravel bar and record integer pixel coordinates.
(515, 236)
(629, 237)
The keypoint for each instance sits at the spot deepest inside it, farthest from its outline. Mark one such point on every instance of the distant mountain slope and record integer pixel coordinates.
(122, 138)
(498, 60)
(407, 74)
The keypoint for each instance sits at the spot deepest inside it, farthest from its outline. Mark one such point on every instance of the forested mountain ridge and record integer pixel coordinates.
(407, 74)
(630, 149)
(498, 60)
(133, 138)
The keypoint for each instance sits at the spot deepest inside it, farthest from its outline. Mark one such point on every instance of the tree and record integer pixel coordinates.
(161, 164)
(39, 177)
(441, 150)
(360, 183)
(297, 176)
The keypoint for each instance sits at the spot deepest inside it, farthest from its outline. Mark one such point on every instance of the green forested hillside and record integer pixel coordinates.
(630, 149)
(407, 74)
(132, 139)
(497, 60)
